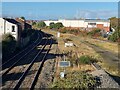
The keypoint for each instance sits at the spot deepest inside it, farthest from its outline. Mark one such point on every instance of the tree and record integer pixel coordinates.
(58, 25)
(33, 23)
(52, 25)
(41, 24)
(114, 22)
(22, 18)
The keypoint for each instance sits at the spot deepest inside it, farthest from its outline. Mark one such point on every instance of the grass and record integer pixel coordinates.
(113, 47)
(70, 81)
(82, 49)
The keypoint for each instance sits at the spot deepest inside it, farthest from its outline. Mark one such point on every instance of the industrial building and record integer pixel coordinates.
(83, 23)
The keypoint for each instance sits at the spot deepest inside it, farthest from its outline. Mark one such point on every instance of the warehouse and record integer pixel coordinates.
(83, 23)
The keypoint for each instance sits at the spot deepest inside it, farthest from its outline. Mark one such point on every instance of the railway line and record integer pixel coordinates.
(30, 81)
(32, 67)
(21, 53)
(17, 58)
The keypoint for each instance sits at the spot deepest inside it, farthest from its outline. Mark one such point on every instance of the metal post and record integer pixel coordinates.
(64, 60)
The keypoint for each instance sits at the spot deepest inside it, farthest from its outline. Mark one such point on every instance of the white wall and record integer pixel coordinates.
(68, 23)
(79, 23)
(72, 23)
(1, 26)
(105, 24)
(6, 27)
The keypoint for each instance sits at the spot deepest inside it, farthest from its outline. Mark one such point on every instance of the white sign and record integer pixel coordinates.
(64, 63)
(68, 44)
(58, 34)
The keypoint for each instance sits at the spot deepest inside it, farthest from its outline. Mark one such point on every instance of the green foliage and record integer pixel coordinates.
(52, 25)
(8, 45)
(71, 31)
(84, 60)
(56, 25)
(22, 18)
(114, 22)
(94, 32)
(8, 37)
(41, 24)
(115, 36)
(73, 80)
(33, 23)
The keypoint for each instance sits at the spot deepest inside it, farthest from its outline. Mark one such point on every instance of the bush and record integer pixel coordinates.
(57, 25)
(95, 32)
(74, 80)
(52, 25)
(115, 36)
(84, 60)
(8, 45)
(41, 24)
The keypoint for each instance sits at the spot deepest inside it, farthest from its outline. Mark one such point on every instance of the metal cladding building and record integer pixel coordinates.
(83, 23)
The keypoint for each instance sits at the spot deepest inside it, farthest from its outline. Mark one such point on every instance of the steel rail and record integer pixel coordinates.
(40, 68)
(12, 66)
(21, 51)
(32, 62)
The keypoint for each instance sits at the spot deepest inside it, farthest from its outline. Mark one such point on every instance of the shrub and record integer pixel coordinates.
(8, 45)
(94, 32)
(41, 24)
(74, 80)
(52, 25)
(115, 36)
(57, 25)
(84, 59)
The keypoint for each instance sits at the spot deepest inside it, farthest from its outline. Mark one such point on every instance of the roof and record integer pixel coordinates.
(96, 20)
(89, 20)
(11, 20)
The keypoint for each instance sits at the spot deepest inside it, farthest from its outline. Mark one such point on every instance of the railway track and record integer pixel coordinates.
(26, 69)
(21, 53)
(13, 67)
(18, 58)
(26, 81)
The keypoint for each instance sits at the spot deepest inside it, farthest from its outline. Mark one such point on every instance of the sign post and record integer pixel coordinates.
(63, 64)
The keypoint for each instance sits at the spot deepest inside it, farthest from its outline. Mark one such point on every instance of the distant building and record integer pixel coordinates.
(24, 23)
(8, 25)
(83, 23)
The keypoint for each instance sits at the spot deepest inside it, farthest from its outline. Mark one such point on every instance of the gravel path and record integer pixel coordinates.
(105, 79)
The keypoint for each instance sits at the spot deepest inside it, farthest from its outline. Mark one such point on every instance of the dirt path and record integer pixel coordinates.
(108, 56)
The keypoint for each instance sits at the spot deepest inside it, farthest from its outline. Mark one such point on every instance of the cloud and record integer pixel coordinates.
(95, 13)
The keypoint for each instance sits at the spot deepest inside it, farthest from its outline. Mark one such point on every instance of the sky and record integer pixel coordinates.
(60, 10)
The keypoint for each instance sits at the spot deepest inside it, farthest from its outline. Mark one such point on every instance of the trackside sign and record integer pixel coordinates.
(64, 64)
